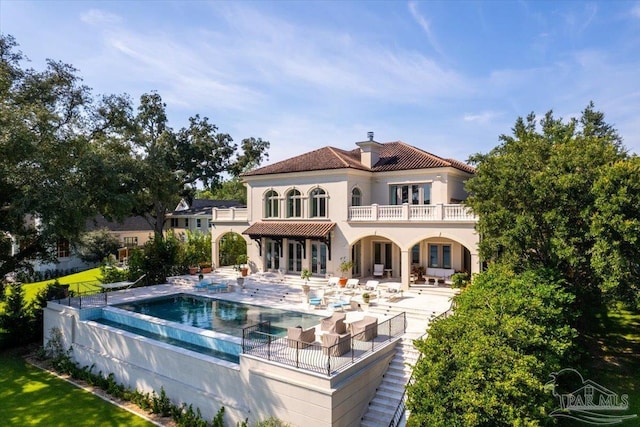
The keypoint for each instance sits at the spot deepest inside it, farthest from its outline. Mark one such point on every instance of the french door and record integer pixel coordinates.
(272, 254)
(318, 258)
(295, 257)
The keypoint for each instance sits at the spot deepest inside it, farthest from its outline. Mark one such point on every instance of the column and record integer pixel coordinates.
(405, 268)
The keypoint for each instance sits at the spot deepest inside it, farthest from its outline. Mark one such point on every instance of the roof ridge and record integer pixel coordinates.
(423, 152)
(333, 150)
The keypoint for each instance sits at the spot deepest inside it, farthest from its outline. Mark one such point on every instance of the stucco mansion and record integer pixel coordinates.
(380, 203)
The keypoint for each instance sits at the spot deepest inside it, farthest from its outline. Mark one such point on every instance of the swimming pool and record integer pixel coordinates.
(227, 317)
(206, 325)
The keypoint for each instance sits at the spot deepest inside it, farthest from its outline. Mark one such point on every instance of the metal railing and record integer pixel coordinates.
(402, 405)
(82, 300)
(318, 358)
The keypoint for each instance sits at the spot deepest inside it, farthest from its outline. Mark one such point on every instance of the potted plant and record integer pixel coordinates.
(205, 267)
(344, 267)
(193, 270)
(305, 275)
(242, 261)
(419, 271)
(366, 297)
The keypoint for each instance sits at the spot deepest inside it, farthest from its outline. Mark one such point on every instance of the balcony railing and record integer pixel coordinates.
(407, 212)
(230, 214)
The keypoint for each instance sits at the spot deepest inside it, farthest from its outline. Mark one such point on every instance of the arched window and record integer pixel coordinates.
(318, 203)
(294, 204)
(356, 197)
(271, 204)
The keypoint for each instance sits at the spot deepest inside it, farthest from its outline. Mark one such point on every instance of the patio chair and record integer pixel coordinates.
(336, 344)
(352, 283)
(378, 270)
(333, 282)
(300, 338)
(334, 323)
(394, 291)
(365, 329)
(317, 300)
(340, 304)
(371, 285)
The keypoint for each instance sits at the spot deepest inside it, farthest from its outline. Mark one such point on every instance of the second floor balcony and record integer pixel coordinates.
(407, 212)
(229, 215)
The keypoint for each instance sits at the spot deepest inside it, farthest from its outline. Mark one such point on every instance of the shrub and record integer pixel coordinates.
(17, 319)
(487, 364)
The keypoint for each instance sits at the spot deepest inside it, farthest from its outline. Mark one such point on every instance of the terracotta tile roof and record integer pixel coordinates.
(394, 156)
(289, 229)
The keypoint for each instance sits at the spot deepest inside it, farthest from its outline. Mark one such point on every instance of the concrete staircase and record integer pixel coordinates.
(391, 389)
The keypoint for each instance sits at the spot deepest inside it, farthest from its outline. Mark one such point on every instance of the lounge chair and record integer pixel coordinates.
(340, 304)
(336, 344)
(365, 329)
(352, 283)
(333, 282)
(378, 270)
(334, 323)
(300, 338)
(394, 291)
(317, 300)
(371, 285)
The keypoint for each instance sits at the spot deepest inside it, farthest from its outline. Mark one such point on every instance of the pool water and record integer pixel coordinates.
(223, 316)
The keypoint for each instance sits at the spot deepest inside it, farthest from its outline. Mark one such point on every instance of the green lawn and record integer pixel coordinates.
(615, 359)
(30, 396)
(79, 282)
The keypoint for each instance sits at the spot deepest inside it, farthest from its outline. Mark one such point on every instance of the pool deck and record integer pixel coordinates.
(421, 304)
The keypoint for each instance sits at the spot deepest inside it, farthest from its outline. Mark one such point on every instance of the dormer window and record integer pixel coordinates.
(356, 197)
(271, 204)
(294, 204)
(318, 203)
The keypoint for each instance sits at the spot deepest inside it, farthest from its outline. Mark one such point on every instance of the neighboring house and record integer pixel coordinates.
(131, 232)
(381, 203)
(197, 215)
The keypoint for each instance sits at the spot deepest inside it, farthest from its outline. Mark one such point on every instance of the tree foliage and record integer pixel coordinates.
(231, 246)
(95, 246)
(616, 225)
(46, 182)
(167, 164)
(535, 196)
(17, 318)
(487, 364)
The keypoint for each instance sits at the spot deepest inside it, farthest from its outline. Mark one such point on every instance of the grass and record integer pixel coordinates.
(30, 396)
(615, 358)
(79, 282)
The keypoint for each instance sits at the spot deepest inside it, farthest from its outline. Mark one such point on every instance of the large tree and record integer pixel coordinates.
(535, 197)
(51, 167)
(168, 164)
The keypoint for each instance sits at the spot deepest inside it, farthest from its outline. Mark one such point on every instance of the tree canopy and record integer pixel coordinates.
(488, 363)
(542, 192)
(167, 164)
(67, 156)
(48, 182)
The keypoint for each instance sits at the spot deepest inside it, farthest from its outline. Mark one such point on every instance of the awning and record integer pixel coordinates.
(297, 230)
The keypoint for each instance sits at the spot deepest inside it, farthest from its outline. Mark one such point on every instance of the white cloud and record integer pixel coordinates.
(483, 118)
(425, 25)
(100, 17)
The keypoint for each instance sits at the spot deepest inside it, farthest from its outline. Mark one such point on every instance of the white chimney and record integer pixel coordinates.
(369, 151)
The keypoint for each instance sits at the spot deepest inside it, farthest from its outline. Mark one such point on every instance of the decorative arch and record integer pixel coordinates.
(318, 203)
(356, 196)
(293, 198)
(271, 203)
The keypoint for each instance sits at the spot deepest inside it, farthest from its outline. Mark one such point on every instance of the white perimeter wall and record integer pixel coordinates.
(253, 390)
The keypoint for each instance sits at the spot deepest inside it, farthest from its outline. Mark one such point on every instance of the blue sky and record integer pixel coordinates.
(446, 76)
